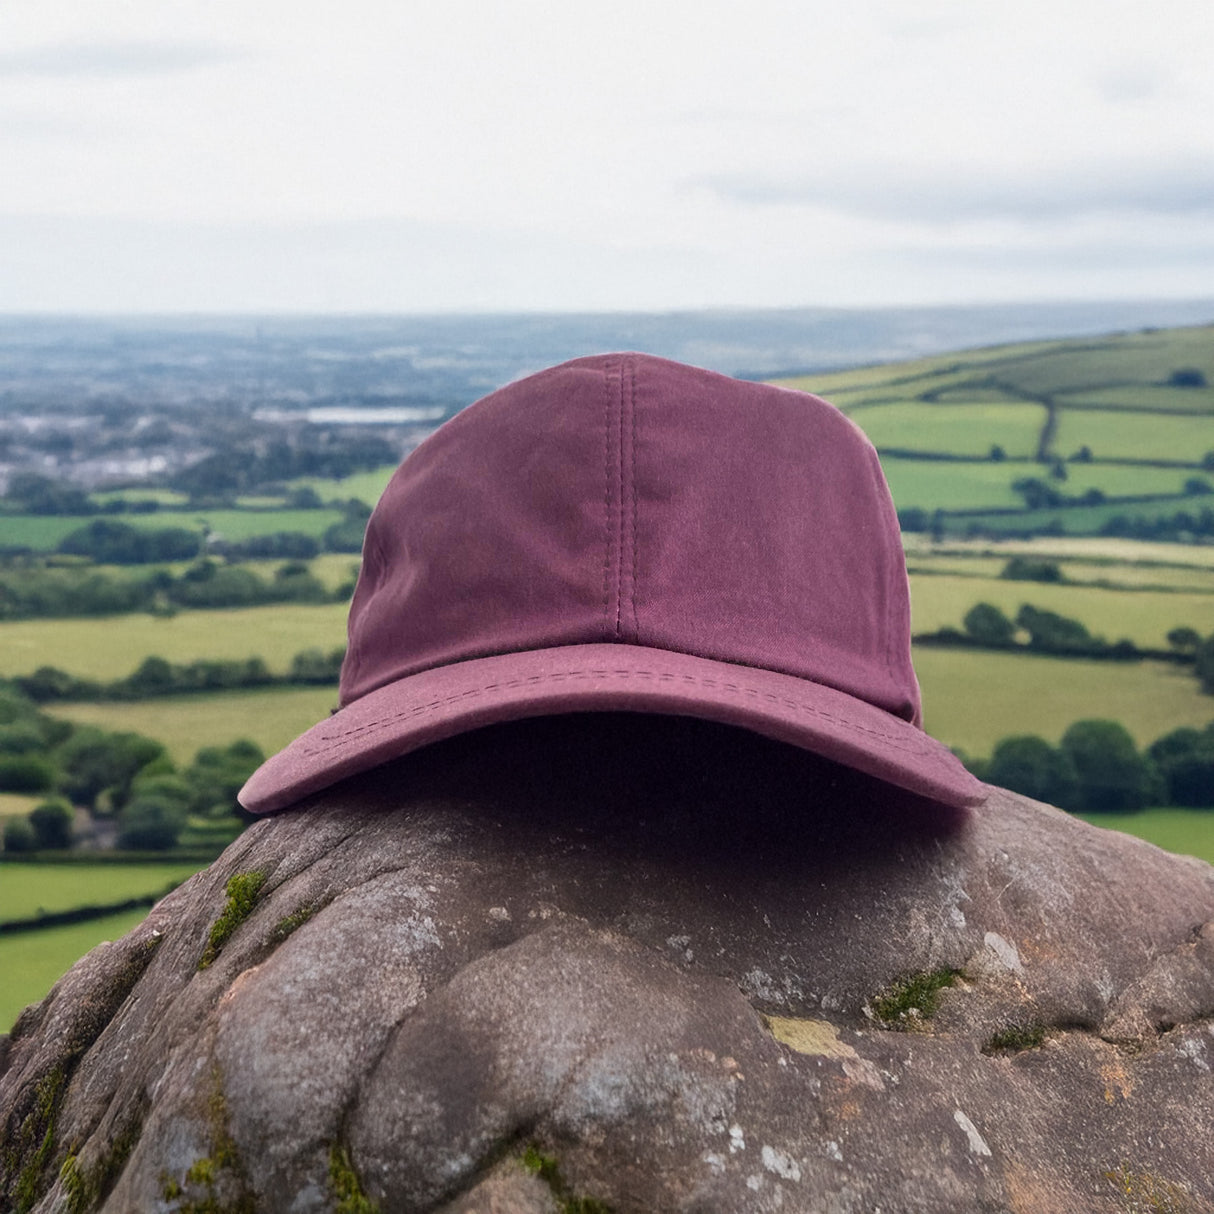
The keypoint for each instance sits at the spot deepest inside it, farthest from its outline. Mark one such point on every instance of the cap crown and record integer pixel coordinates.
(632, 500)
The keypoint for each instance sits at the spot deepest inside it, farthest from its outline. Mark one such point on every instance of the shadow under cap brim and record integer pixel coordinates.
(448, 700)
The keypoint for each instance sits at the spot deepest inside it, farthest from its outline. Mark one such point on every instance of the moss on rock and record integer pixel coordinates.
(242, 892)
(913, 999)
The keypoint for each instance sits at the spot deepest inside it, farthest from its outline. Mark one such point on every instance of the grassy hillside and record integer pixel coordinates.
(1123, 417)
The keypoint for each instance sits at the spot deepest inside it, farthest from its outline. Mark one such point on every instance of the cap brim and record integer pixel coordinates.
(448, 700)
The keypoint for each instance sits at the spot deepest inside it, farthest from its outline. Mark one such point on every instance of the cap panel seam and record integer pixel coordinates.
(354, 644)
(632, 476)
(607, 546)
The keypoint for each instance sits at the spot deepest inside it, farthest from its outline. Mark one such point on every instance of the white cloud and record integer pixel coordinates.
(949, 194)
(110, 59)
(541, 153)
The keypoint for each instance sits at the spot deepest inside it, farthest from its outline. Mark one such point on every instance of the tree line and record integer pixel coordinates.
(1097, 766)
(156, 676)
(41, 591)
(986, 626)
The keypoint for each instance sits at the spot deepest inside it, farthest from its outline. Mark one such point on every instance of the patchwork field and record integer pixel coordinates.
(963, 428)
(1119, 434)
(986, 485)
(1118, 397)
(1095, 409)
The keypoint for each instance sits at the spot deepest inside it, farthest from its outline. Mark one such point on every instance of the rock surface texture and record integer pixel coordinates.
(660, 967)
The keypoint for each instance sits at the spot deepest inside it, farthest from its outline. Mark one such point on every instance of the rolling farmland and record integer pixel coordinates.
(1112, 428)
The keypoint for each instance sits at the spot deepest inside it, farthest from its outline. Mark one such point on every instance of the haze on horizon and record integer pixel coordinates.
(520, 155)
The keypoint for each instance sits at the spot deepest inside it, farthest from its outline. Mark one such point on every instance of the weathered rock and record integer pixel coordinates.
(636, 965)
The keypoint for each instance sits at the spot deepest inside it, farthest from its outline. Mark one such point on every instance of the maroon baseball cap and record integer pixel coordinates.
(623, 532)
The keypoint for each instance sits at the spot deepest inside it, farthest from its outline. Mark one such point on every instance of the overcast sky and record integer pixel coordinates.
(418, 155)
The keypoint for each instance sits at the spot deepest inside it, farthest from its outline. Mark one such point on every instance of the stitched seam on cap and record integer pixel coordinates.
(607, 492)
(354, 644)
(416, 710)
(632, 468)
(620, 506)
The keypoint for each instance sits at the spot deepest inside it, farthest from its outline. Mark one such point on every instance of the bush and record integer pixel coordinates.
(48, 683)
(1187, 377)
(167, 787)
(1030, 765)
(94, 762)
(19, 835)
(985, 624)
(21, 738)
(112, 543)
(1112, 774)
(37, 494)
(52, 825)
(1184, 639)
(26, 773)
(314, 666)
(150, 824)
(1025, 569)
(218, 774)
(1203, 664)
(1050, 632)
(347, 536)
(1185, 759)
(293, 544)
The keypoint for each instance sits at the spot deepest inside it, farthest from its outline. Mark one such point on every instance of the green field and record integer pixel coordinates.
(1124, 435)
(29, 889)
(1073, 520)
(932, 484)
(166, 497)
(32, 962)
(935, 484)
(1140, 396)
(333, 569)
(972, 699)
(1144, 616)
(964, 429)
(1115, 576)
(365, 486)
(271, 717)
(43, 533)
(1107, 550)
(1188, 832)
(111, 647)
